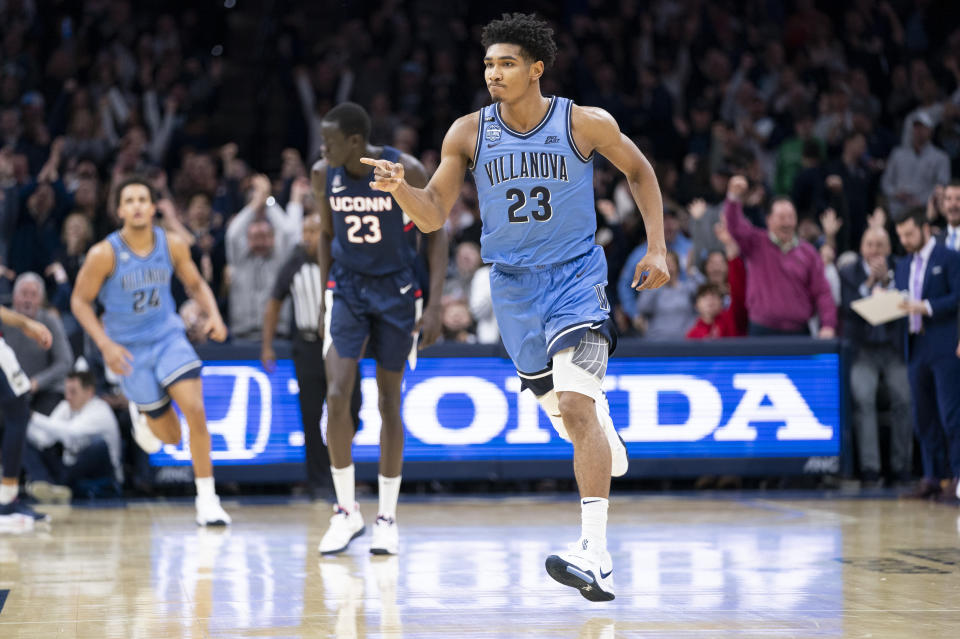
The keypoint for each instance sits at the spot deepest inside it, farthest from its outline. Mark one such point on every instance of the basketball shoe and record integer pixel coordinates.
(586, 566)
(345, 526)
(619, 463)
(210, 512)
(386, 537)
(16, 509)
(142, 434)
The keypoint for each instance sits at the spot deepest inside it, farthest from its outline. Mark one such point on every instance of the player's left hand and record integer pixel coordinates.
(651, 272)
(431, 326)
(215, 329)
(387, 176)
(38, 333)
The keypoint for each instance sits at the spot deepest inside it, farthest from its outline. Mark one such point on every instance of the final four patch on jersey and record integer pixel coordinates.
(492, 133)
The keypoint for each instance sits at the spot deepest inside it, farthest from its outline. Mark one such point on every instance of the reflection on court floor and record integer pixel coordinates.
(683, 567)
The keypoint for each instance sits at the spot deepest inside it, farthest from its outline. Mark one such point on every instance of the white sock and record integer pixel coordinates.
(593, 519)
(389, 494)
(205, 487)
(551, 406)
(8, 493)
(343, 484)
(958, 490)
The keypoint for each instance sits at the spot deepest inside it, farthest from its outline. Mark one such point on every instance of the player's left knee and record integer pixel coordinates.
(195, 414)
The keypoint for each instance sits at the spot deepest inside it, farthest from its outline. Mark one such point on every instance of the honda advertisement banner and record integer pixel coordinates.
(471, 408)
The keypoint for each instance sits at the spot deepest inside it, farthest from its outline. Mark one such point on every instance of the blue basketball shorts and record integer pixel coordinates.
(380, 311)
(543, 310)
(156, 366)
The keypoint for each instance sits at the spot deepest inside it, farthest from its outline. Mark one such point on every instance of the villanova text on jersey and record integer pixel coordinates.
(535, 190)
(136, 298)
(371, 234)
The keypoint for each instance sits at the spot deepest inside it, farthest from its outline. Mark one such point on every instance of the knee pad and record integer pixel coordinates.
(551, 406)
(580, 369)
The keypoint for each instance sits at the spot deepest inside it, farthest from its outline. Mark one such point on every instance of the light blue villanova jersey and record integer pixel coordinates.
(535, 190)
(138, 305)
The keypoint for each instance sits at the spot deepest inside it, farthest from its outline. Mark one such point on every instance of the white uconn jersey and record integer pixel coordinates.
(535, 190)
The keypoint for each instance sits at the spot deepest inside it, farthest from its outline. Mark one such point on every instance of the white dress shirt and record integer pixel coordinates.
(75, 429)
(925, 256)
(953, 238)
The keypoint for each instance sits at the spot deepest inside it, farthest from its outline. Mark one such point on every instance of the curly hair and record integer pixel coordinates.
(533, 35)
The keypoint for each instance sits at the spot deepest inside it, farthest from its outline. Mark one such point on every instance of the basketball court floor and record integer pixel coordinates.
(743, 566)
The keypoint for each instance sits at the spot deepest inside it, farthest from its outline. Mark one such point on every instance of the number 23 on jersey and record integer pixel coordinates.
(363, 230)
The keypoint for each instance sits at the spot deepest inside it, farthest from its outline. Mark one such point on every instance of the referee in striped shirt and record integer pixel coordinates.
(300, 278)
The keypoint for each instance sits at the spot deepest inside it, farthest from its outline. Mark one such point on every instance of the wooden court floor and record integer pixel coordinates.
(747, 566)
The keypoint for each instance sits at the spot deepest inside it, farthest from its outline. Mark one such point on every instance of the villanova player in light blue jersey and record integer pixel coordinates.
(142, 338)
(532, 160)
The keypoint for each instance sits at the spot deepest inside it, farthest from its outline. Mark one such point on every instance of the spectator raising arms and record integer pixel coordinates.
(786, 285)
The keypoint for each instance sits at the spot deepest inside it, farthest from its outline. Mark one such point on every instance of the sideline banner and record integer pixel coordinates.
(470, 408)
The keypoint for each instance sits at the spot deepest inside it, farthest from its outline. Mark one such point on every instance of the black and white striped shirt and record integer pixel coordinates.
(300, 278)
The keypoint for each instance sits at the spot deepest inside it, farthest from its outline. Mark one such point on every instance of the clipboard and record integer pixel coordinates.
(881, 307)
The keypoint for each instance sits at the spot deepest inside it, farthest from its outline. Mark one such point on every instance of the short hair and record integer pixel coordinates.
(953, 184)
(350, 118)
(777, 200)
(130, 181)
(26, 278)
(708, 289)
(918, 214)
(533, 35)
(85, 378)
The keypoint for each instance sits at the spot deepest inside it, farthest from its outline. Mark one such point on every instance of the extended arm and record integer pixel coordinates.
(438, 253)
(94, 272)
(31, 328)
(318, 181)
(197, 288)
(429, 207)
(744, 233)
(596, 130)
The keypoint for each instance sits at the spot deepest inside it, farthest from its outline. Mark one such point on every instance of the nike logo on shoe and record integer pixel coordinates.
(604, 575)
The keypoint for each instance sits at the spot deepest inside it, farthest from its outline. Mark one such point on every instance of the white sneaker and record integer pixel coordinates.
(585, 566)
(345, 526)
(46, 493)
(619, 463)
(142, 434)
(210, 512)
(386, 537)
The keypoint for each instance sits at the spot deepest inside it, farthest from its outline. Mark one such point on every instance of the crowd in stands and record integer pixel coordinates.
(841, 117)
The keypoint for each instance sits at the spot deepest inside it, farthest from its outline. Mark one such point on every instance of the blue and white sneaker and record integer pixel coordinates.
(17, 509)
(345, 526)
(586, 566)
(386, 536)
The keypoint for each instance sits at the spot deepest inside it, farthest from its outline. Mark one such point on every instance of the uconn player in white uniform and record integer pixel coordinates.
(531, 158)
(143, 339)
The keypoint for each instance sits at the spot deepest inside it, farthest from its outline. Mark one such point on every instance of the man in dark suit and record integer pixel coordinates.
(931, 275)
(877, 359)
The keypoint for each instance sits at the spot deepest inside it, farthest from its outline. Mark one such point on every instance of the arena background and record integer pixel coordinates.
(203, 96)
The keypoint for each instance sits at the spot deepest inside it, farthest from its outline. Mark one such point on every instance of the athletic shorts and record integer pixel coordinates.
(383, 308)
(542, 310)
(156, 366)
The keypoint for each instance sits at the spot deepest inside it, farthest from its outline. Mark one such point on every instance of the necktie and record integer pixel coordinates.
(915, 322)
